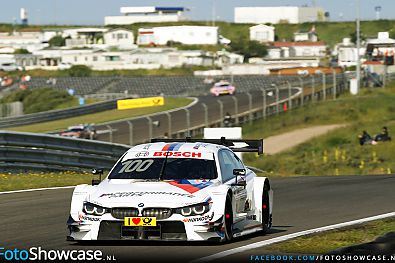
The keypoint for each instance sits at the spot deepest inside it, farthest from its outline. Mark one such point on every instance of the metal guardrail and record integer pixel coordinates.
(30, 150)
(57, 114)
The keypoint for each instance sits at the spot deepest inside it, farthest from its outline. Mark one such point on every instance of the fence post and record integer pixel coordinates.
(289, 95)
(110, 132)
(302, 90)
(324, 86)
(249, 107)
(149, 127)
(205, 114)
(334, 84)
(312, 88)
(221, 112)
(169, 130)
(263, 103)
(277, 100)
(236, 101)
(188, 121)
(130, 132)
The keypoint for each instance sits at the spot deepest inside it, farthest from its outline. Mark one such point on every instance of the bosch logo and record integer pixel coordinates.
(140, 205)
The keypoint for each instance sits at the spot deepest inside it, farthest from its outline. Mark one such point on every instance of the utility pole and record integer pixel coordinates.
(358, 45)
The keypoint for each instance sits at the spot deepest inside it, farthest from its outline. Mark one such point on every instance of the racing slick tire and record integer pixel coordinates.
(266, 216)
(228, 219)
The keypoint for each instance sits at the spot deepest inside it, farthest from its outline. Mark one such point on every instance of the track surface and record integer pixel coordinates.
(38, 218)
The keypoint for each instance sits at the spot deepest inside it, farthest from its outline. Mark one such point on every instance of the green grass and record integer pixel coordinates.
(9, 182)
(101, 117)
(325, 242)
(338, 152)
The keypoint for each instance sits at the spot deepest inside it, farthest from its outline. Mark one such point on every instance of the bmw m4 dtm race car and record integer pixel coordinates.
(173, 189)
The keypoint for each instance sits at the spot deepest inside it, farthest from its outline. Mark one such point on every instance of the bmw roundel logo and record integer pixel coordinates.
(140, 205)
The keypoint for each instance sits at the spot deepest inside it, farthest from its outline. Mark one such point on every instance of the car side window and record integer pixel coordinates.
(228, 162)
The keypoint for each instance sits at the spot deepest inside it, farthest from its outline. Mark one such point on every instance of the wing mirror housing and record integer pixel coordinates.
(97, 171)
(241, 173)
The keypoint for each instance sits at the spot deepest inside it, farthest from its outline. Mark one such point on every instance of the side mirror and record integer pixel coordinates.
(241, 173)
(98, 171)
(95, 182)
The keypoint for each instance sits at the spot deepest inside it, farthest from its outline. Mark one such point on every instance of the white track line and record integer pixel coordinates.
(37, 189)
(290, 236)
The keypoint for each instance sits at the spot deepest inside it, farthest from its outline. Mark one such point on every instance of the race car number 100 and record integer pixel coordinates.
(136, 165)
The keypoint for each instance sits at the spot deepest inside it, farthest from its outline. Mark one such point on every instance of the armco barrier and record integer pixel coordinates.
(29, 150)
(57, 114)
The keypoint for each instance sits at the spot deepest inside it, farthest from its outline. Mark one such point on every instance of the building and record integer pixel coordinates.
(346, 52)
(262, 33)
(146, 14)
(120, 38)
(187, 35)
(381, 49)
(79, 37)
(297, 49)
(22, 40)
(278, 14)
(310, 35)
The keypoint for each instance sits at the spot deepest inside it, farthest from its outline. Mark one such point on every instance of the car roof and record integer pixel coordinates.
(179, 146)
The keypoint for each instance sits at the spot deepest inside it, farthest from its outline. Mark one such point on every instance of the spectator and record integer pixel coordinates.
(383, 136)
(366, 139)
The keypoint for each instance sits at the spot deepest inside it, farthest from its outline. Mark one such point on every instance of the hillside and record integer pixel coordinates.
(330, 32)
(338, 152)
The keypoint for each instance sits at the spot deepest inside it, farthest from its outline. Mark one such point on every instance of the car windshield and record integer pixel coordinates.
(174, 169)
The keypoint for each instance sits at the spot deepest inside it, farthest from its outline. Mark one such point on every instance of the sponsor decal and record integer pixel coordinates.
(203, 218)
(179, 154)
(131, 194)
(88, 218)
(190, 186)
(142, 154)
(146, 147)
(140, 205)
(172, 146)
(140, 221)
(199, 144)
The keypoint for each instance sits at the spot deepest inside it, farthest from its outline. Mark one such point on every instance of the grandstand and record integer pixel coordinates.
(153, 85)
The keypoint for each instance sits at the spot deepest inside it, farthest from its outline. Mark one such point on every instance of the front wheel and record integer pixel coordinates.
(266, 216)
(228, 219)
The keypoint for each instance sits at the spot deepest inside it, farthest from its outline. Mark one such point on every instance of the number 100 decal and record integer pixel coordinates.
(136, 165)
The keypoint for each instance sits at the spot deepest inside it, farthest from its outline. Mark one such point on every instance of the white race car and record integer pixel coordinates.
(172, 189)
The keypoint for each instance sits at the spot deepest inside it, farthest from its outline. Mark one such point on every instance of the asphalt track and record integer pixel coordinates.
(121, 129)
(38, 218)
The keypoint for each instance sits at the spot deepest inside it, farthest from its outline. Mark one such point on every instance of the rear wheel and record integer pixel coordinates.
(228, 219)
(266, 216)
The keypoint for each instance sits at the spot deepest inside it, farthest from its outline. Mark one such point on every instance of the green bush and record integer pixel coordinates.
(57, 41)
(38, 100)
(79, 71)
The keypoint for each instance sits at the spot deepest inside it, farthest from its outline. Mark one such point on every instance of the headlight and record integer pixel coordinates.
(194, 210)
(92, 209)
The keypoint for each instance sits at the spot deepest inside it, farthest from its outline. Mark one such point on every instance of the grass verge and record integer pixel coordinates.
(326, 242)
(9, 181)
(101, 117)
(337, 152)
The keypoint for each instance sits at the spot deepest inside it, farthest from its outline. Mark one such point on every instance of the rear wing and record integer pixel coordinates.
(236, 145)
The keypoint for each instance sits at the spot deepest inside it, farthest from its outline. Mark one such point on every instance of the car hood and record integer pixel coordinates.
(128, 193)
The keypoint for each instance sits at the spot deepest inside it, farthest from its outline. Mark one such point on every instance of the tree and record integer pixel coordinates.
(79, 71)
(21, 51)
(248, 48)
(57, 41)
